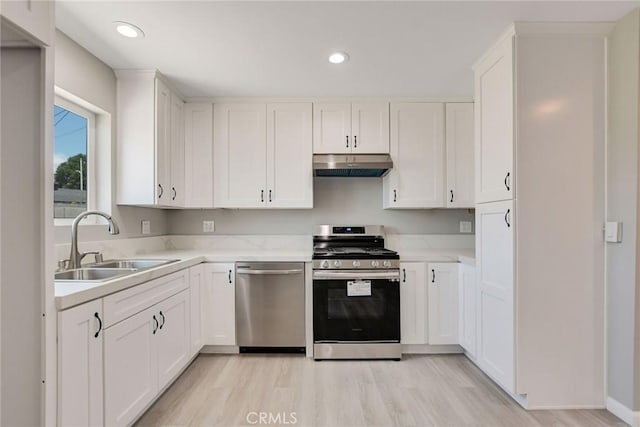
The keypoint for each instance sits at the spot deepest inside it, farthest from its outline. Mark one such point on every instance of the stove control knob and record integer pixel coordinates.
(387, 264)
(375, 264)
(356, 264)
(337, 264)
(324, 264)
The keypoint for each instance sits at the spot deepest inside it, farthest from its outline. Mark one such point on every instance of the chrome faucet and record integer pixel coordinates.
(75, 257)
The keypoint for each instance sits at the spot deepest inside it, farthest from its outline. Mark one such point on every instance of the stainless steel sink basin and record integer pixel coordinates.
(138, 264)
(92, 274)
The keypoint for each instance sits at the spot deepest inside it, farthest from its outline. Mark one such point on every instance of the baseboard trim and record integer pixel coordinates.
(625, 414)
(431, 349)
(220, 349)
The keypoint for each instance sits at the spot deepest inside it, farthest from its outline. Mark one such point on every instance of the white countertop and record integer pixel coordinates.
(71, 294)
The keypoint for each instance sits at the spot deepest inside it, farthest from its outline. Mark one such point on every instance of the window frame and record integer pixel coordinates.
(90, 116)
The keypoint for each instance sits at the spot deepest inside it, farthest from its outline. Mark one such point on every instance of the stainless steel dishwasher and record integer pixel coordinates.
(270, 307)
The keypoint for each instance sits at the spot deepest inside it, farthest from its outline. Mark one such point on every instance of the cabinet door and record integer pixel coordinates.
(177, 152)
(494, 125)
(239, 155)
(198, 143)
(218, 305)
(130, 367)
(417, 150)
(467, 305)
(196, 282)
(413, 303)
(332, 128)
(460, 160)
(370, 127)
(173, 336)
(443, 303)
(80, 379)
(163, 143)
(494, 262)
(289, 156)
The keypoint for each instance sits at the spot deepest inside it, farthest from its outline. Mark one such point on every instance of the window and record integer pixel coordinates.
(73, 160)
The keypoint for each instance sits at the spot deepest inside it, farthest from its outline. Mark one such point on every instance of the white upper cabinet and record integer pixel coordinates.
(413, 303)
(198, 146)
(80, 379)
(240, 155)
(345, 128)
(443, 303)
(262, 156)
(370, 128)
(150, 141)
(417, 150)
(494, 124)
(289, 156)
(460, 188)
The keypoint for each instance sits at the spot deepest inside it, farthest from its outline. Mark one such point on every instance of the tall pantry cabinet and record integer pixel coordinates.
(540, 129)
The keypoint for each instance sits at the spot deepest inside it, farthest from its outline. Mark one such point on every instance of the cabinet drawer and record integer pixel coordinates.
(126, 303)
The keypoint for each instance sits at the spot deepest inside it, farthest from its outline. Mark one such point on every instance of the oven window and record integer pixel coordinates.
(339, 317)
(341, 307)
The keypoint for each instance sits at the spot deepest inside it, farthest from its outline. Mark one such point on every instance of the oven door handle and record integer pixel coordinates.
(356, 275)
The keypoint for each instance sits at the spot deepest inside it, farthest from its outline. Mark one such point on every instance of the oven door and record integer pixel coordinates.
(356, 306)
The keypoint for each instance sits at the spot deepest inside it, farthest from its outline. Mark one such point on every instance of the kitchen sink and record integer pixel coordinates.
(92, 274)
(138, 264)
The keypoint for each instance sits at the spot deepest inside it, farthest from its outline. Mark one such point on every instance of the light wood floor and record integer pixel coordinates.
(421, 390)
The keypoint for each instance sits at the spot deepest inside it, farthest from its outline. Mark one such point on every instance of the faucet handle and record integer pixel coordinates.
(63, 265)
(97, 254)
(99, 257)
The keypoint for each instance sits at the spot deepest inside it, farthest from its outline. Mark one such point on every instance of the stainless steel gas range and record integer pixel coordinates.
(356, 294)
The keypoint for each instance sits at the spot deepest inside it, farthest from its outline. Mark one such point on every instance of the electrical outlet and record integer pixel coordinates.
(146, 226)
(465, 226)
(208, 226)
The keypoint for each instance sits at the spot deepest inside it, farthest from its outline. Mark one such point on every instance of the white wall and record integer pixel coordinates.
(622, 190)
(336, 201)
(80, 73)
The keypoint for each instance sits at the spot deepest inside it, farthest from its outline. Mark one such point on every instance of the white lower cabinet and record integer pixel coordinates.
(442, 279)
(467, 305)
(80, 344)
(142, 355)
(196, 281)
(218, 304)
(413, 303)
(130, 367)
(494, 261)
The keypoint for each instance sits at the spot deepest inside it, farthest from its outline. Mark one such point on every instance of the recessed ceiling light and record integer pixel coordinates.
(128, 30)
(338, 57)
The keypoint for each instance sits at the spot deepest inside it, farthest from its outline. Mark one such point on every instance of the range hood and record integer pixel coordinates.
(352, 165)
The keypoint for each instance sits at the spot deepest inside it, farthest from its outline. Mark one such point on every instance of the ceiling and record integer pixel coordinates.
(239, 48)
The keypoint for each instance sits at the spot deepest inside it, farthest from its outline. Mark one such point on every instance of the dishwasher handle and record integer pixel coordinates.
(268, 272)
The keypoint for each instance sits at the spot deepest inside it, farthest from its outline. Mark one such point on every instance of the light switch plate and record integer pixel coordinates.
(465, 226)
(613, 232)
(208, 226)
(146, 226)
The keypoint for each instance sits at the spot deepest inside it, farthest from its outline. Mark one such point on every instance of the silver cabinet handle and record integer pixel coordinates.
(268, 272)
